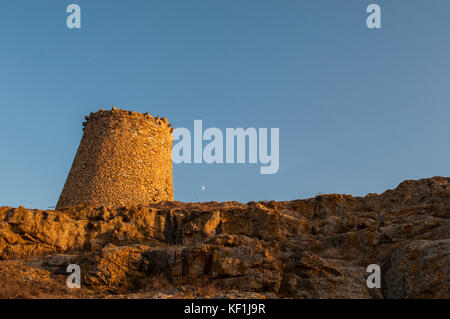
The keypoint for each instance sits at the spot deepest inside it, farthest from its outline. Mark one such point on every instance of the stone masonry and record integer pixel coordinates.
(124, 159)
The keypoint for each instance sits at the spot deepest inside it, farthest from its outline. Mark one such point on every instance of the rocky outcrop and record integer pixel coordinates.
(313, 248)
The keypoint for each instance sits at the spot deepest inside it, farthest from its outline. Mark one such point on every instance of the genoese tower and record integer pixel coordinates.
(124, 159)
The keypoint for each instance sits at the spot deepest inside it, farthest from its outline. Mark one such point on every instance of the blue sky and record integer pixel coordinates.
(359, 110)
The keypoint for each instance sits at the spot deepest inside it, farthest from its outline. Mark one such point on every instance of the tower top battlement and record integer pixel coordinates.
(128, 117)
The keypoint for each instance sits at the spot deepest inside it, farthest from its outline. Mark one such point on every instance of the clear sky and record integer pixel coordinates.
(359, 110)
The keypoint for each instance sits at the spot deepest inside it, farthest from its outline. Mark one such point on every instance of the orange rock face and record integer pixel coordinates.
(124, 158)
(313, 248)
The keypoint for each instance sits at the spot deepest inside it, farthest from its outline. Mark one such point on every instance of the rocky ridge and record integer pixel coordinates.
(313, 248)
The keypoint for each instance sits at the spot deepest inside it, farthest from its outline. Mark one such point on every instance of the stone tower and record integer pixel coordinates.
(124, 158)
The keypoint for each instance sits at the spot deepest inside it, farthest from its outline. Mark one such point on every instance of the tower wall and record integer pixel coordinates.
(124, 158)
